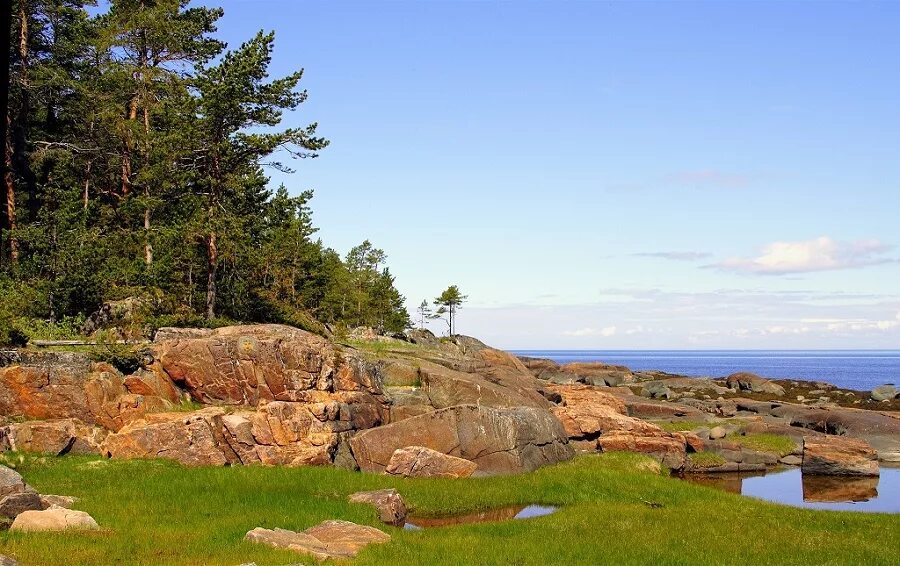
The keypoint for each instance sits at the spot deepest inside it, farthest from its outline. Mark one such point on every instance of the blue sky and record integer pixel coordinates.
(611, 174)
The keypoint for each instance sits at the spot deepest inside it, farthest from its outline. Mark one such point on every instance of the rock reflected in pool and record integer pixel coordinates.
(509, 513)
(791, 487)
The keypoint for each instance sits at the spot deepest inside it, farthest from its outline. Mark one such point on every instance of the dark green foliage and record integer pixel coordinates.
(448, 303)
(138, 151)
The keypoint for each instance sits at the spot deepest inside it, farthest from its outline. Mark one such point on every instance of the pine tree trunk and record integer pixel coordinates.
(212, 258)
(11, 223)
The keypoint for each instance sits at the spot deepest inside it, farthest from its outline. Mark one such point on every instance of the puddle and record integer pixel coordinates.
(512, 512)
(791, 487)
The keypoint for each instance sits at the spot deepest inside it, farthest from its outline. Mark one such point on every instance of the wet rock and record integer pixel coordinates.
(498, 440)
(54, 519)
(327, 540)
(387, 502)
(831, 455)
(421, 462)
(791, 460)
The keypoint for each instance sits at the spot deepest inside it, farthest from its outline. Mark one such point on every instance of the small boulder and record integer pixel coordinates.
(885, 393)
(7, 561)
(16, 503)
(717, 432)
(327, 540)
(656, 390)
(54, 519)
(838, 456)
(66, 501)
(389, 504)
(746, 381)
(421, 462)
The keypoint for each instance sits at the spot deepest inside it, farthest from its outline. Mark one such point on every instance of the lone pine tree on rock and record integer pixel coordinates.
(449, 302)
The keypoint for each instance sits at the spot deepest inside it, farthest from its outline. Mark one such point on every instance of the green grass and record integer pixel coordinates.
(764, 442)
(706, 459)
(383, 346)
(155, 512)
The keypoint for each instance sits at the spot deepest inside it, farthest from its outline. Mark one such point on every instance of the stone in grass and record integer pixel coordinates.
(389, 504)
(54, 519)
(327, 540)
(717, 432)
(422, 462)
(7, 561)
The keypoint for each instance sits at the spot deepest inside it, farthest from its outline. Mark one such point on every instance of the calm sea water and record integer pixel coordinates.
(851, 369)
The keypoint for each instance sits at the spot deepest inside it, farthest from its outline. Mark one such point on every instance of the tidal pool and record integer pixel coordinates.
(508, 513)
(789, 486)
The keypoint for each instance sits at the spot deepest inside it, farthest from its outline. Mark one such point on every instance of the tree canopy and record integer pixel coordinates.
(136, 163)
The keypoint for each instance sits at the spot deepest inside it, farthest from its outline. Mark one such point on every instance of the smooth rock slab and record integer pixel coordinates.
(498, 440)
(838, 456)
(389, 504)
(421, 462)
(327, 540)
(54, 519)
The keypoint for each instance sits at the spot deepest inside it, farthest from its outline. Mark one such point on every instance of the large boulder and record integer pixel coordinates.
(586, 413)
(59, 437)
(838, 456)
(421, 462)
(54, 519)
(598, 373)
(327, 540)
(668, 447)
(189, 438)
(499, 388)
(498, 440)
(746, 381)
(246, 365)
(67, 385)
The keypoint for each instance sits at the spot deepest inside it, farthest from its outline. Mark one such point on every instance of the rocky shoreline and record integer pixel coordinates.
(417, 404)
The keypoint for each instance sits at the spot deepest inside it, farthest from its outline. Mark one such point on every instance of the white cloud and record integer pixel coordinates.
(676, 256)
(819, 254)
(605, 332)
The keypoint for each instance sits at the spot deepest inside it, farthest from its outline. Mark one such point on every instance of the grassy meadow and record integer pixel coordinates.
(157, 512)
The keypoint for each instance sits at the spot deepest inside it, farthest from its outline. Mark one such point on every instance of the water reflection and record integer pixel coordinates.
(491, 515)
(791, 487)
(832, 489)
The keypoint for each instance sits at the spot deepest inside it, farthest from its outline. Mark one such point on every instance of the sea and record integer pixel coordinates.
(861, 370)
